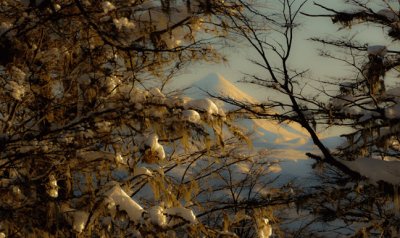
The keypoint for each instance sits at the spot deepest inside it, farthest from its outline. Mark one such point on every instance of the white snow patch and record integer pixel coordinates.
(103, 126)
(52, 189)
(123, 22)
(107, 6)
(156, 92)
(120, 160)
(182, 212)
(152, 142)
(126, 203)
(142, 171)
(53, 193)
(204, 105)
(157, 216)
(191, 116)
(76, 218)
(111, 83)
(135, 95)
(57, 6)
(264, 229)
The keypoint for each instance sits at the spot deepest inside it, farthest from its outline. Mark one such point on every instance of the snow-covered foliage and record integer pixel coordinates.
(191, 116)
(153, 146)
(204, 105)
(52, 189)
(116, 197)
(90, 141)
(264, 228)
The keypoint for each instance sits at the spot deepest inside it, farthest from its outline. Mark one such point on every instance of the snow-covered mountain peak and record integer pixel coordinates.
(268, 133)
(215, 84)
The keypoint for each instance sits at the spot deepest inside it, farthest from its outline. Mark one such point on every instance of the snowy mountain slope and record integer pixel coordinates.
(266, 133)
(216, 84)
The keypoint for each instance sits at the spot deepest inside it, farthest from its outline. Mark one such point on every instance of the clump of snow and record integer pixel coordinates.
(57, 7)
(79, 220)
(52, 187)
(103, 126)
(377, 50)
(152, 143)
(157, 95)
(119, 198)
(182, 212)
(111, 83)
(204, 105)
(107, 6)
(123, 22)
(191, 116)
(133, 94)
(142, 171)
(120, 160)
(156, 92)
(17, 192)
(76, 218)
(264, 229)
(388, 14)
(157, 216)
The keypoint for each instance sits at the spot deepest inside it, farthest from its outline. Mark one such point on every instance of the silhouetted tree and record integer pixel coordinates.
(90, 145)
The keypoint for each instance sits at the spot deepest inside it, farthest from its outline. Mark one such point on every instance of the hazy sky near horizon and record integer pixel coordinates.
(304, 53)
